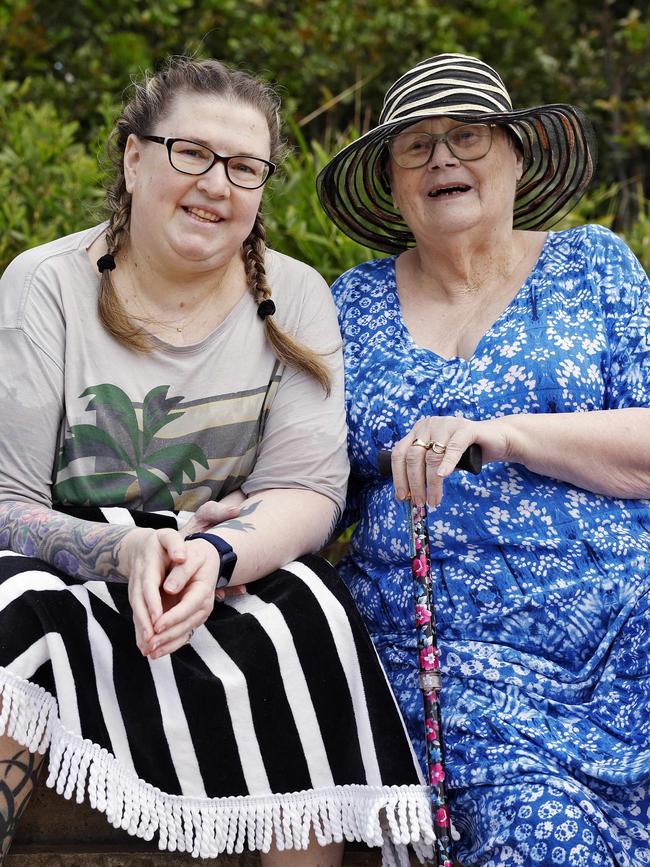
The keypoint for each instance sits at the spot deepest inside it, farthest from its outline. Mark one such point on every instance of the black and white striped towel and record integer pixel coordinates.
(275, 720)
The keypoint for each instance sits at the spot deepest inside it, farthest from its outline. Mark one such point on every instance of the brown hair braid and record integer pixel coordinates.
(286, 349)
(151, 101)
(111, 311)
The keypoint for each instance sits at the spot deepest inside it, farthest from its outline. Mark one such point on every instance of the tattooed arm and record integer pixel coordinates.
(273, 528)
(89, 550)
(81, 549)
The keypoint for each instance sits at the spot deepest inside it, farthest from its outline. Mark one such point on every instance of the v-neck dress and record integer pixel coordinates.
(541, 588)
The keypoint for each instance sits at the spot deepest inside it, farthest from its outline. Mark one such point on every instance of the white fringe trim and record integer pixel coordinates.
(390, 816)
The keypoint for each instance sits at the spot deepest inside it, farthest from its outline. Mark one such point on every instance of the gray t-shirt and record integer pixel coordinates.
(88, 421)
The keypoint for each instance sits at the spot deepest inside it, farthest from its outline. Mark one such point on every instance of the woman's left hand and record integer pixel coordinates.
(188, 597)
(206, 517)
(431, 451)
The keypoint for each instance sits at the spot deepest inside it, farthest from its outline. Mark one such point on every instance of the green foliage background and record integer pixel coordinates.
(64, 67)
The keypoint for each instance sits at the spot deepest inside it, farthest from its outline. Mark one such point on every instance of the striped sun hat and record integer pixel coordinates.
(558, 143)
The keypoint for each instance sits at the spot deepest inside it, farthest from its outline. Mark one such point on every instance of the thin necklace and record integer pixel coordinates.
(175, 326)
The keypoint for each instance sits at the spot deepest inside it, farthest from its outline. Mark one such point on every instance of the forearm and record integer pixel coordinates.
(81, 549)
(606, 451)
(276, 526)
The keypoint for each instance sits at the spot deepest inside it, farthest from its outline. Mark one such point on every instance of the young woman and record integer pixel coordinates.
(159, 363)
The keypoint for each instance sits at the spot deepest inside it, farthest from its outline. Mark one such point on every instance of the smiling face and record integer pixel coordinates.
(194, 222)
(448, 195)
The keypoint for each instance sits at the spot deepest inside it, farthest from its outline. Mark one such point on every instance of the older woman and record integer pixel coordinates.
(155, 364)
(483, 327)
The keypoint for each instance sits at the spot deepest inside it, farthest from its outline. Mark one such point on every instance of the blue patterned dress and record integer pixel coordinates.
(542, 588)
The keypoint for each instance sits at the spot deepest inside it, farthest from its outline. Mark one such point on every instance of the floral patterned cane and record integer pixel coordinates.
(429, 656)
(430, 680)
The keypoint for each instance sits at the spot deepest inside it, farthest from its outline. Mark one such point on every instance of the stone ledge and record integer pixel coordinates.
(98, 857)
(58, 833)
(118, 856)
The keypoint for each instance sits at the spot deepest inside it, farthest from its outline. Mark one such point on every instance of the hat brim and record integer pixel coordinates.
(559, 147)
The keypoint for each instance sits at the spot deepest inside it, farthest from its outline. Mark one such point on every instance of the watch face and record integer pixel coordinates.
(228, 559)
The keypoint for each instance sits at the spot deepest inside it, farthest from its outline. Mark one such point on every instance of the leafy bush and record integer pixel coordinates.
(296, 223)
(601, 204)
(49, 183)
(638, 236)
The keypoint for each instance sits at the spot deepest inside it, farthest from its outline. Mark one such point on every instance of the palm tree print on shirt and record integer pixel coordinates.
(137, 469)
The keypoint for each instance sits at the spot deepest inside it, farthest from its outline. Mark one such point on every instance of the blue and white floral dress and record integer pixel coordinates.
(542, 588)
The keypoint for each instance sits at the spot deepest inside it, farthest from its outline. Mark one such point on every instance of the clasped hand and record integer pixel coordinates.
(171, 581)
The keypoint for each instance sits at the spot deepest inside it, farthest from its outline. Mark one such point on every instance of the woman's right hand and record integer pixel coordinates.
(146, 557)
(209, 515)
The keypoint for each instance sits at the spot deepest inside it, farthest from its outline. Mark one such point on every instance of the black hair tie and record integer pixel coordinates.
(106, 263)
(265, 308)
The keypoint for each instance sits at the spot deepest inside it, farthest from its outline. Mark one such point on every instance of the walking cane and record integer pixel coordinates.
(429, 657)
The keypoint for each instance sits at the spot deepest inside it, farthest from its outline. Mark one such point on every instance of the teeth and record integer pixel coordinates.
(204, 215)
(443, 191)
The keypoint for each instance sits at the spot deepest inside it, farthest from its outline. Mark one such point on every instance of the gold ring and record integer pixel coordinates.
(418, 442)
(437, 448)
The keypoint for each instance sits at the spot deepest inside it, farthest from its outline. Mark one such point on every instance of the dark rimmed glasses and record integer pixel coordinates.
(192, 158)
(467, 142)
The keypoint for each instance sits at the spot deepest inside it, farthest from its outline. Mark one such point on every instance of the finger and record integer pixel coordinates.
(214, 513)
(398, 472)
(144, 632)
(197, 600)
(179, 575)
(194, 605)
(398, 466)
(151, 581)
(230, 592)
(204, 556)
(416, 475)
(173, 544)
(178, 631)
(208, 515)
(200, 554)
(458, 442)
(171, 644)
(434, 482)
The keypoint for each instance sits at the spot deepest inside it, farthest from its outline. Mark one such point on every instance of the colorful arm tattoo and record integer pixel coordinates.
(81, 549)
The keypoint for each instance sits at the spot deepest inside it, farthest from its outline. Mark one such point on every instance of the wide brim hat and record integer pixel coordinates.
(558, 142)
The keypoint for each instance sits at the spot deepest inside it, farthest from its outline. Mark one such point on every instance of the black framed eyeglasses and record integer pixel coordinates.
(192, 158)
(467, 142)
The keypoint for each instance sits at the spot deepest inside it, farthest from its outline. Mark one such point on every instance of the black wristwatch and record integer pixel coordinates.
(227, 557)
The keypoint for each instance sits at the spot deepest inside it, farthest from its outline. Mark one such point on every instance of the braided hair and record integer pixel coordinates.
(151, 100)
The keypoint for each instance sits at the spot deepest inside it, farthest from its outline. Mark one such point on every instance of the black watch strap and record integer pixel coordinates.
(227, 557)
